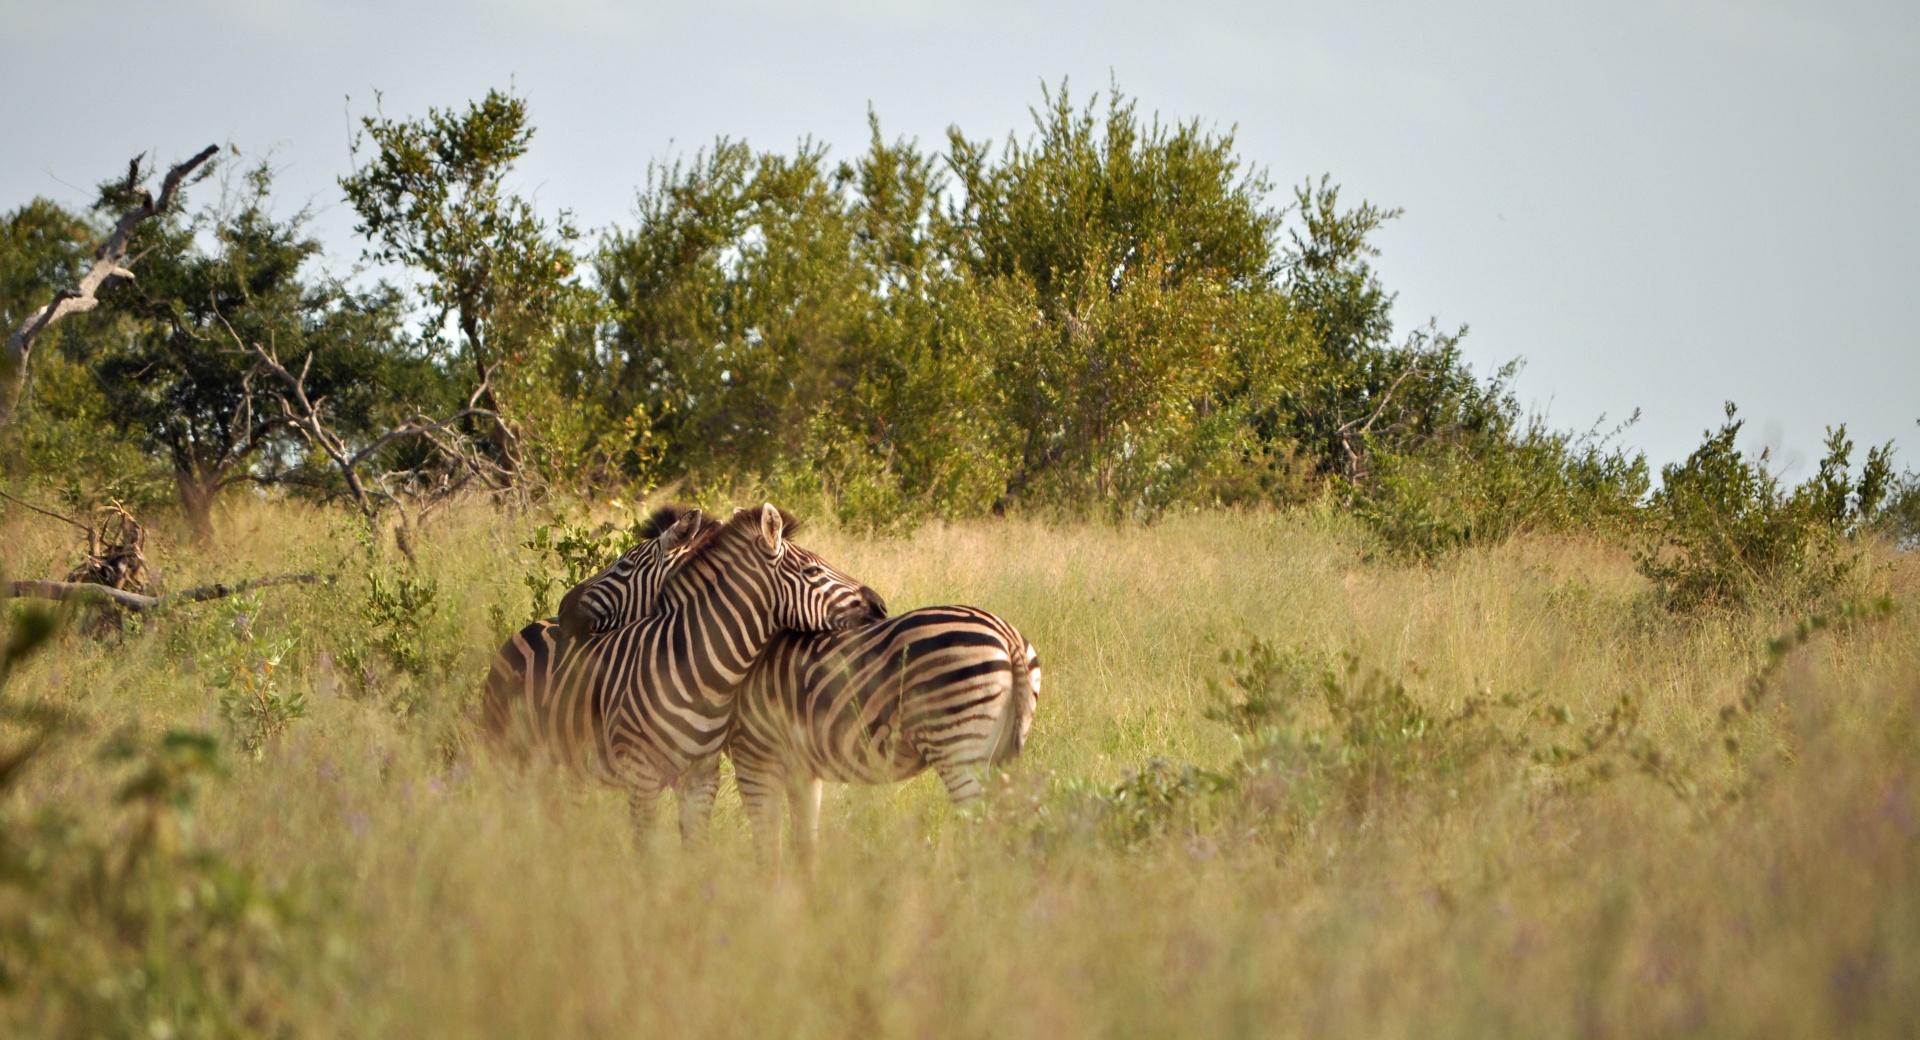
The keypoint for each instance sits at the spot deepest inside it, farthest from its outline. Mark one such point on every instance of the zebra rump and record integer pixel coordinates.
(951, 688)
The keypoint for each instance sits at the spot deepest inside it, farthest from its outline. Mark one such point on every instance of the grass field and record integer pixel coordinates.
(1443, 876)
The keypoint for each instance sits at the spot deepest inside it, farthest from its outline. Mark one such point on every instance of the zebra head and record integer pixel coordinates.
(810, 594)
(629, 588)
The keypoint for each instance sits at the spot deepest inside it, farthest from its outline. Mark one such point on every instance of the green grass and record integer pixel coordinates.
(441, 894)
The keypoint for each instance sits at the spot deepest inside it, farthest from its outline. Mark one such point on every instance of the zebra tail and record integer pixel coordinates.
(1014, 720)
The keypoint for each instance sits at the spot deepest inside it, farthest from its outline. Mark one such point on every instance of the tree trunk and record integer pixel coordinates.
(196, 503)
(497, 433)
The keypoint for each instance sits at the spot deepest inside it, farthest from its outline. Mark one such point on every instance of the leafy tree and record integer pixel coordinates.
(433, 196)
(43, 249)
(915, 423)
(1359, 391)
(731, 300)
(180, 385)
(1143, 251)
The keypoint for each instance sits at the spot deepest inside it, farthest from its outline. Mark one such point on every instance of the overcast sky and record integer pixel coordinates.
(1656, 205)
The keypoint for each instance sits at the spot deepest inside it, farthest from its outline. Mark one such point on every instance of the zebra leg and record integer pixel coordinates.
(643, 798)
(760, 785)
(965, 780)
(696, 789)
(803, 803)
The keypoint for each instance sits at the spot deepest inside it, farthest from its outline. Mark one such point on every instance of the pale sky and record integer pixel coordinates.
(1656, 205)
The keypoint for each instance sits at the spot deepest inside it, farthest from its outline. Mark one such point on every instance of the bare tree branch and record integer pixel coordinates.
(109, 261)
(88, 592)
(45, 512)
(306, 413)
(1356, 465)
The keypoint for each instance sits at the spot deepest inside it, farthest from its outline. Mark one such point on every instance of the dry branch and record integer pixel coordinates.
(105, 595)
(109, 261)
(43, 511)
(1355, 462)
(306, 414)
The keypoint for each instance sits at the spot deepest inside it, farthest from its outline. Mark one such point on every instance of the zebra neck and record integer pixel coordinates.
(730, 589)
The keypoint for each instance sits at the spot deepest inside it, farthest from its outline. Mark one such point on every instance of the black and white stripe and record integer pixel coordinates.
(646, 704)
(952, 689)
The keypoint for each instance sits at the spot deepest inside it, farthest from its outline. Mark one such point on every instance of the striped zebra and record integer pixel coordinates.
(952, 689)
(947, 688)
(646, 705)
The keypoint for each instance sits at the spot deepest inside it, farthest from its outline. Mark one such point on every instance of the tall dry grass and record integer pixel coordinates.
(449, 896)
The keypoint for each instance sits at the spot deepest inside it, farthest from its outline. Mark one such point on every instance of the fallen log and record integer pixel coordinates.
(106, 595)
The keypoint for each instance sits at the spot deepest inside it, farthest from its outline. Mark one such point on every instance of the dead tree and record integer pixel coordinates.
(112, 576)
(107, 595)
(115, 555)
(116, 551)
(426, 490)
(109, 263)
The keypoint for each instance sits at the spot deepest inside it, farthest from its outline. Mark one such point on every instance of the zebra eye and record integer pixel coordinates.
(813, 570)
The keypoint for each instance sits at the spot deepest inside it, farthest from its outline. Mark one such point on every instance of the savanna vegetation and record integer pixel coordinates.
(1373, 705)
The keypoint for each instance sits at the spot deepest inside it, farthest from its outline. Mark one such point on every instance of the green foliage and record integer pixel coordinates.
(249, 672)
(1316, 739)
(1161, 798)
(565, 554)
(119, 923)
(1728, 536)
(43, 248)
(1898, 517)
(399, 606)
(1143, 253)
(182, 388)
(432, 195)
(396, 648)
(1319, 745)
(1482, 489)
(57, 440)
(1107, 313)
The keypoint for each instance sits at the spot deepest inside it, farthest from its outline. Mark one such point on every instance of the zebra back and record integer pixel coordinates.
(953, 688)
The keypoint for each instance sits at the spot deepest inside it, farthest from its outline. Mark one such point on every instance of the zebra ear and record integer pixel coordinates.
(772, 529)
(682, 530)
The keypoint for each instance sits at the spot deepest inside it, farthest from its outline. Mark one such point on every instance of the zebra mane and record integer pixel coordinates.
(744, 520)
(658, 521)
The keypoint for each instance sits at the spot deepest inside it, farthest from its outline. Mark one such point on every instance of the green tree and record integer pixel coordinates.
(1360, 391)
(915, 423)
(1144, 253)
(433, 197)
(731, 302)
(181, 385)
(1725, 534)
(59, 440)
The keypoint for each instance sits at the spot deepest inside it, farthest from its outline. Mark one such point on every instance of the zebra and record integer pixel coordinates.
(645, 705)
(949, 688)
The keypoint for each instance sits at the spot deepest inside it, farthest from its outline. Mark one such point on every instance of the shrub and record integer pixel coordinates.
(398, 647)
(1727, 535)
(248, 672)
(1483, 488)
(123, 925)
(1316, 737)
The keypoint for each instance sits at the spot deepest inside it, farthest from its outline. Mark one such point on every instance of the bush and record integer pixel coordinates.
(1322, 744)
(1727, 536)
(1483, 489)
(125, 926)
(1315, 737)
(248, 672)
